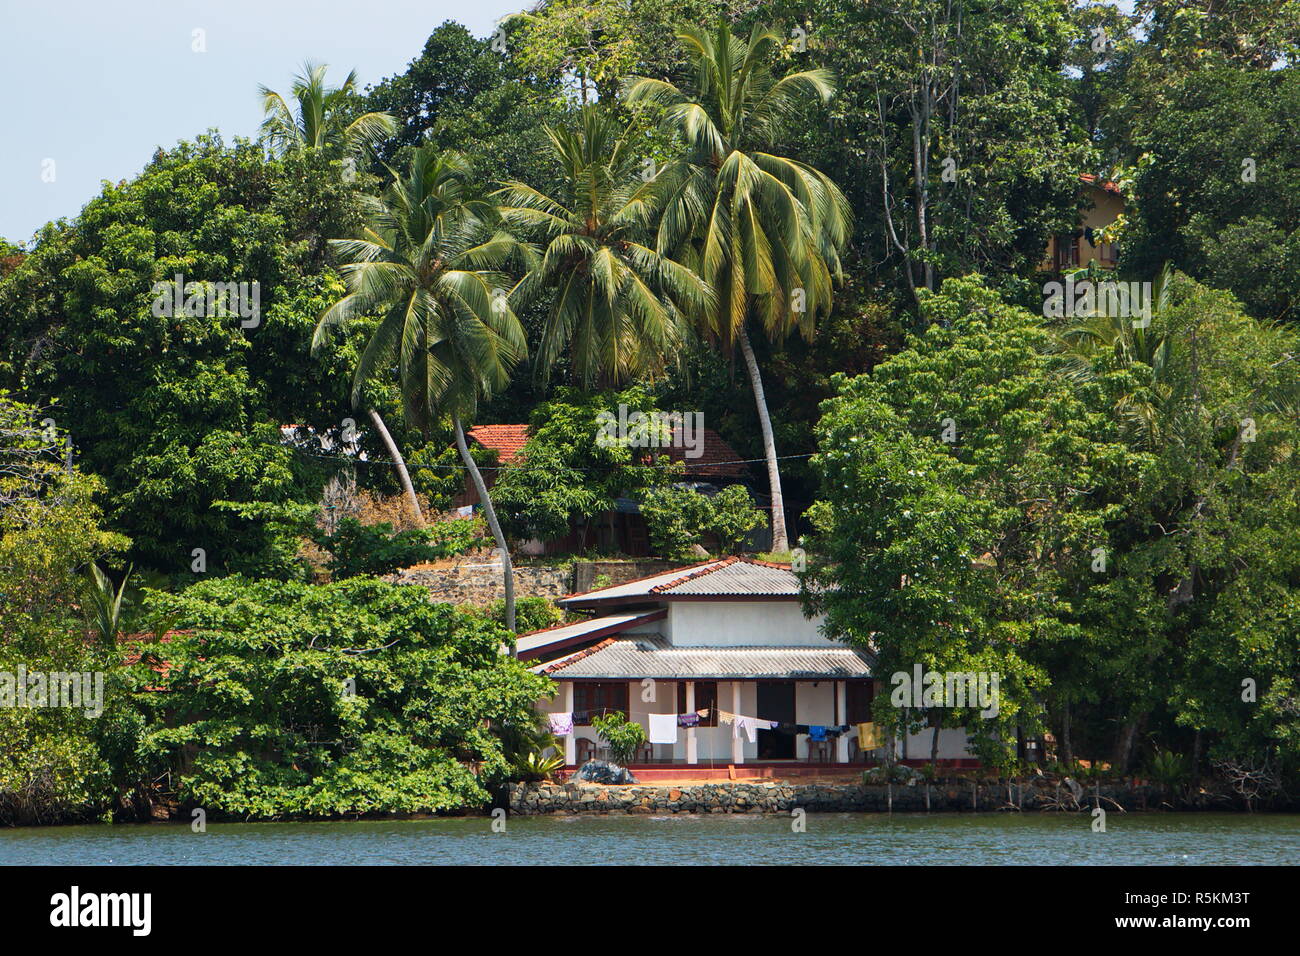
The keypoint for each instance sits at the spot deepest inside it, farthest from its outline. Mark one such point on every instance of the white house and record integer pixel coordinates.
(728, 636)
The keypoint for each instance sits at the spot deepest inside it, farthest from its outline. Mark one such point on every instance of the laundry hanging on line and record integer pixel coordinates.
(561, 724)
(663, 728)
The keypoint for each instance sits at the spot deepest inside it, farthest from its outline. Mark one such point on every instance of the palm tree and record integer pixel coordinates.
(321, 123)
(104, 604)
(618, 304)
(1101, 338)
(321, 118)
(429, 262)
(764, 231)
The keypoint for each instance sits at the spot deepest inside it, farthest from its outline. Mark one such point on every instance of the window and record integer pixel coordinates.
(591, 698)
(706, 695)
(857, 701)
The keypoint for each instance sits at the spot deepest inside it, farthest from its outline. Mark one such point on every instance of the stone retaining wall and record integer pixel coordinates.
(479, 582)
(774, 797)
(482, 583)
(610, 573)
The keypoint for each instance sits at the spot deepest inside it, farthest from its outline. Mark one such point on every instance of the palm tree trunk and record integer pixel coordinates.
(780, 541)
(507, 569)
(400, 464)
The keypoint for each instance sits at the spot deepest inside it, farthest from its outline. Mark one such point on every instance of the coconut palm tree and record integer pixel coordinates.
(321, 122)
(764, 231)
(619, 305)
(104, 604)
(321, 118)
(429, 263)
(1102, 339)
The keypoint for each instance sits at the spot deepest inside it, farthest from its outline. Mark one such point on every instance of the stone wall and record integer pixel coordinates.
(479, 582)
(776, 797)
(610, 573)
(482, 583)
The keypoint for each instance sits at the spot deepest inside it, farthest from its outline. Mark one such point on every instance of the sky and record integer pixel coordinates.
(93, 88)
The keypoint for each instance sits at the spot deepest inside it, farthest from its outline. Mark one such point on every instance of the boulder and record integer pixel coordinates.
(602, 771)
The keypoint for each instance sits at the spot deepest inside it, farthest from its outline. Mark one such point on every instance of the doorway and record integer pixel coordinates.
(776, 702)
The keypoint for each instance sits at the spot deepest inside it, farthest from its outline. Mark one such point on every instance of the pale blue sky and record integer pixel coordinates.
(96, 86)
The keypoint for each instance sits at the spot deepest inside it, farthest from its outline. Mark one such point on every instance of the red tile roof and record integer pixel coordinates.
(1107, 185)
(506, 440)
(717, 458)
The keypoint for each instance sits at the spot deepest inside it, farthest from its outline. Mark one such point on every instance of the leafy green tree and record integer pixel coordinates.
(339, 699)
(430, 262)
(619, 305)
(1219, 194)
(569, 472)
(764, 231)
(675, 520)
(962, 484)
(57, 764)
(174, 410)
(594, 44)
(956, 131)
(678, 518)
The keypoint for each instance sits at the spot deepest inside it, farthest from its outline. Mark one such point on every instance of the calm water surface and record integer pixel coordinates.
(1190, 839)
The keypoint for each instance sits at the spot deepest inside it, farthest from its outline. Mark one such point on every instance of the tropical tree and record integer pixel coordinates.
(428, 262)
(322, 118)
(619, 304)
(1104, 339)
(104, 604)
(763, 230)
(323, 122)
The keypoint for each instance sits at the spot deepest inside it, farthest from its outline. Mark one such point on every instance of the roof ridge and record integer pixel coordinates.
(574, 658)
(717, 565)
(644, 577)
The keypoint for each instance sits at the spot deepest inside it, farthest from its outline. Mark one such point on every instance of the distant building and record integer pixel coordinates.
(1077, 249)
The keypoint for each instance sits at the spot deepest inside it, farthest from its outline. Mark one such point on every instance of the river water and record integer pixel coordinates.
(877, 839)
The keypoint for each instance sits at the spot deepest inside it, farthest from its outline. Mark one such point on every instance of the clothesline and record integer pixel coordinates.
(663, 727)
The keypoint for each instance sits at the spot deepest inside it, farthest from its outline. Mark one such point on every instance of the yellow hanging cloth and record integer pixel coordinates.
(868, 739)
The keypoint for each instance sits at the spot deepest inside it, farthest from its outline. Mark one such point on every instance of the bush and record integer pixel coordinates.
(324, 700)
(624, 736)
(678, 518)
(356, 549)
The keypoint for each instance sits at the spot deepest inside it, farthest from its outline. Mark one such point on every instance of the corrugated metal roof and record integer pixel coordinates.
(639, 588)
(651, 656)
(566, 632)
(734, 576)
(737, 576)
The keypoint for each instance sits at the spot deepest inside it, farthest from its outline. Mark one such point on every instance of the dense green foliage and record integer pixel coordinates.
(678, 518)
(986, 511)
(655, 196)
(346, 698)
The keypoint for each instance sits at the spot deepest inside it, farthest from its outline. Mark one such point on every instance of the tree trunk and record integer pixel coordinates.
(1124, 747)
(1066, 751)
(780, 541)
(934, 742)
(400, 463)
(489, 512)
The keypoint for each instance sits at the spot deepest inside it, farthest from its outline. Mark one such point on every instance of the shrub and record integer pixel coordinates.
(624, 736)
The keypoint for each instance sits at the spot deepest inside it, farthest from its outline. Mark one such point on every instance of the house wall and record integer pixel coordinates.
(952, 744)
(742, 624)
(1104, 208)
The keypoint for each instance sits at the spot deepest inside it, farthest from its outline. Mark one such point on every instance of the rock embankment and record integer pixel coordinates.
(778, 797)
